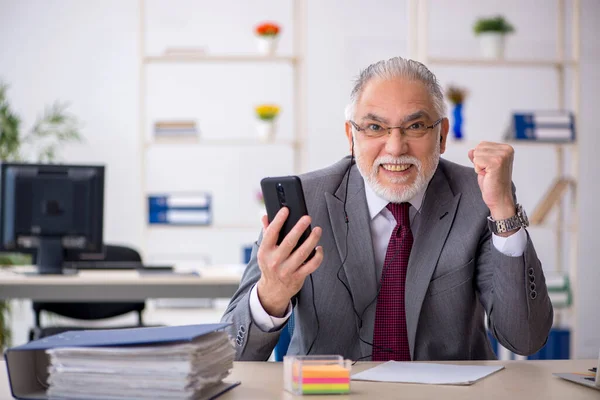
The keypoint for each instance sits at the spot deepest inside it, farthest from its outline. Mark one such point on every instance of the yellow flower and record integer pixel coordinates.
(267, 112)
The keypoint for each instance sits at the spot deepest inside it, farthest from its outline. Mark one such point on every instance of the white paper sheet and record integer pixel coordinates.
(427, 373)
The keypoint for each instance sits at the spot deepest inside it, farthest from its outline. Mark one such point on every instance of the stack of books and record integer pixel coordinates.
(559, 289)
(179, 362)
(175, 129)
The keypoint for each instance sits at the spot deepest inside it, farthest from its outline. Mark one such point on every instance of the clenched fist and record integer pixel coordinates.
(493, 164)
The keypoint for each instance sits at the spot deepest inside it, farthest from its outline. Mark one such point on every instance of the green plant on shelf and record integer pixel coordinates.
(497, 24)
(50, 131)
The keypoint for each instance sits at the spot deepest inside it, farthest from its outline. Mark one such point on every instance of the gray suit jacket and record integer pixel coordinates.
(455, 278)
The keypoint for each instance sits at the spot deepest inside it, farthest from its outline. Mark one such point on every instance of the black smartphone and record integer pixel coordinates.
(286, 191)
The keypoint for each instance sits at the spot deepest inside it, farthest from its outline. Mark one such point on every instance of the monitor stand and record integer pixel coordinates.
(50, 255)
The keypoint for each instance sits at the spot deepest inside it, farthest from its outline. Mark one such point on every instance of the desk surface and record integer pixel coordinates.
(519, 380)
(98, 285)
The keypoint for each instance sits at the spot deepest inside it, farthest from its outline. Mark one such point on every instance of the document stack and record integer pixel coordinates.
(170, 129)
(180, 362)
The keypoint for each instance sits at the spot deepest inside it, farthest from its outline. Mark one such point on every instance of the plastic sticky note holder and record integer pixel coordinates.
(316, 374)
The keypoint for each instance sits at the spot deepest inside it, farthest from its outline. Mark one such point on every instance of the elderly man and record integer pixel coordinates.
(413, 251)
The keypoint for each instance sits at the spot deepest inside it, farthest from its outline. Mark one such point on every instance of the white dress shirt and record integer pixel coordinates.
(382, 226)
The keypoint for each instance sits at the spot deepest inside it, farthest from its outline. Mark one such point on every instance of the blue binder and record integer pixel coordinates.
(180, 217)
(191, 201)
(27, 365)
(557, 347)
(180, 209)
(548, 126)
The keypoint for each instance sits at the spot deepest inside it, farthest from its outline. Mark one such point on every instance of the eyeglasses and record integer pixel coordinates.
(415, 130)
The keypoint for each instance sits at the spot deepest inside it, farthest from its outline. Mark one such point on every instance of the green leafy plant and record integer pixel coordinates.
(9, 129)
(52, 129)
(41, 144)
(9, 259)
(497, 24)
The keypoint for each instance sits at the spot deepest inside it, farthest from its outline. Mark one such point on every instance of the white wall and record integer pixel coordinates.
(588, 335)
(86, 52)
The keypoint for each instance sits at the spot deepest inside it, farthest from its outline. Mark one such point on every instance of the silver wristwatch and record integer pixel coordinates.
(517, 221)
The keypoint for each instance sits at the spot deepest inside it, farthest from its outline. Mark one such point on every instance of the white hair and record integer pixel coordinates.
(398, 67)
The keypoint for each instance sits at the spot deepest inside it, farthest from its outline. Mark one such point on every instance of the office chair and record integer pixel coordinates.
(285, 337)
(90, 310)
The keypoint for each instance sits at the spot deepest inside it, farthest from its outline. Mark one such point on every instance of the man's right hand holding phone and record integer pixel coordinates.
(284, 271)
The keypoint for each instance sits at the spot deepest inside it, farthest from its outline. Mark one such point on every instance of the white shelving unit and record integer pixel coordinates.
(418, 15)
(296, 143)
(233, 58)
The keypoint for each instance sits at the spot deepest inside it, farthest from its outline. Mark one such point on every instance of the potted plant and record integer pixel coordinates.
(267, 115)
(457, 96)
(53, 128)
(491, 32)
(267, 34)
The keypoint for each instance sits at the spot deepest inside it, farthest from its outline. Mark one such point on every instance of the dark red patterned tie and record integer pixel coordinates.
(390, 338)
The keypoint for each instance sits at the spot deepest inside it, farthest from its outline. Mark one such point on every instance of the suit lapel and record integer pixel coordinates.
(359, 267)
(437, 213)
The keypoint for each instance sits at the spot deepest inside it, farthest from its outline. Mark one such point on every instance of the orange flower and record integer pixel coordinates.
(267, 29)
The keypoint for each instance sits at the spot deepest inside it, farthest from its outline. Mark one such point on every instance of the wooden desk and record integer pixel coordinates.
(118, 285)
(525, 380)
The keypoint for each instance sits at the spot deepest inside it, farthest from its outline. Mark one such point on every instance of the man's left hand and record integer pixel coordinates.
(493, 164)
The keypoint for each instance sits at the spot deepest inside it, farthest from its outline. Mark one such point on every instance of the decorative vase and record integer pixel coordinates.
(457, 121)
(492, 45)
(267, 44)
(265, 129)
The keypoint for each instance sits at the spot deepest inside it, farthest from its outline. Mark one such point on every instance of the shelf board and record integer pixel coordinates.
(156, 227)
(224, 58)
(569, 228)
(220, 142)
(481, 62)
(514, 143)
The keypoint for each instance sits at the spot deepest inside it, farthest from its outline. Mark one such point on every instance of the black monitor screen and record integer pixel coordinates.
(59, 204)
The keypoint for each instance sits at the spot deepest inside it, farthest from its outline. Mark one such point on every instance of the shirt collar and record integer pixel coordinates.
(376, 204)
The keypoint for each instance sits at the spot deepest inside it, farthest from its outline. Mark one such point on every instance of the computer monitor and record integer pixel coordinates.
(48, 209)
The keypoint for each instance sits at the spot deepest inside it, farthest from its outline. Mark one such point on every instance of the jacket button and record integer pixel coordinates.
(238, 341)
(533, 294)
(242, 328)
(532, 287)
(531, 272)
(531, 278)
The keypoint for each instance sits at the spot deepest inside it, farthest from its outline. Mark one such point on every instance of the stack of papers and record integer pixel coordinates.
(189, 370)
(427, 373)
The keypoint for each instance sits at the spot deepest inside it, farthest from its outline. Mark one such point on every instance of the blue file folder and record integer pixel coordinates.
(27, 365)
(556, 348)
(180, 209)
(549, 126)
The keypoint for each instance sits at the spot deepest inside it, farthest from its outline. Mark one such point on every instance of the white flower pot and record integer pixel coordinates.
(492, 45)
(265, 130)
(267, 45)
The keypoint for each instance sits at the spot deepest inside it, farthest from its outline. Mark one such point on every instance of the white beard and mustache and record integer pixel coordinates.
(399, 194)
